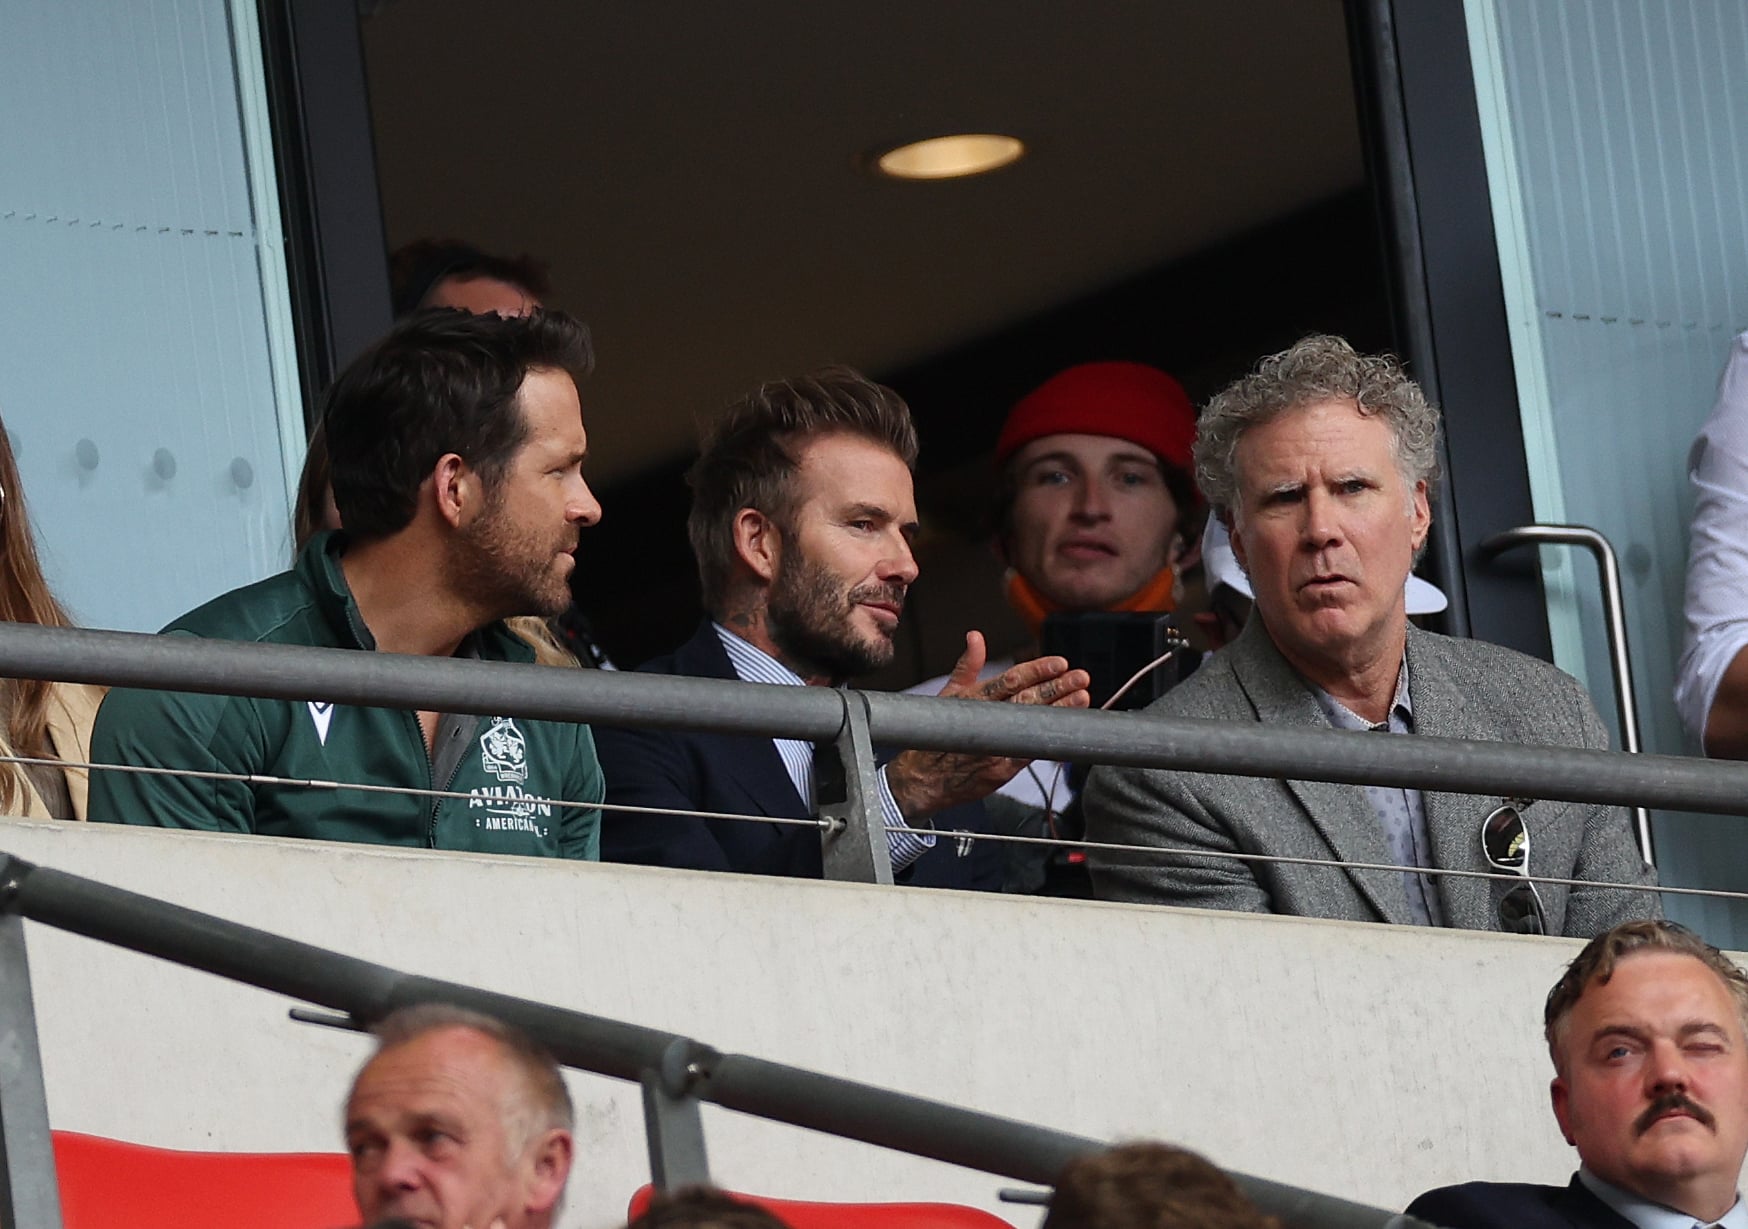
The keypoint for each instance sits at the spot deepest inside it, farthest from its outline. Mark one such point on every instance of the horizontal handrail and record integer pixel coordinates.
(366, 992)
(389, 680)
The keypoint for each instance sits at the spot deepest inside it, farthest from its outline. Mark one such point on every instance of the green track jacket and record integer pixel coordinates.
(501, 763)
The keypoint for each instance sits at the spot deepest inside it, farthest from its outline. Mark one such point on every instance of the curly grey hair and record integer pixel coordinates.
(1320, 367)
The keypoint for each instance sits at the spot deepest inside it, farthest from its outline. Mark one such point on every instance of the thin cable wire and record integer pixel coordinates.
(957, 834)
(1142, 673)
(257, 778)
(1171, 851)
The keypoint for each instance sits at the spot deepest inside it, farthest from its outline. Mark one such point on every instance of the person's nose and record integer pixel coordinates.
(899, 566)
(398, 1170)
(582, 508)
(1092, 503)
(1666, 1071)
(1321, 527)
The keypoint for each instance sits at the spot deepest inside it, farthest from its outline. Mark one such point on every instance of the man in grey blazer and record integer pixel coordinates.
(1320, 462)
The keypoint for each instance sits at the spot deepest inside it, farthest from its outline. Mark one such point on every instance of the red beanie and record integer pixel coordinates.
(1129, 401)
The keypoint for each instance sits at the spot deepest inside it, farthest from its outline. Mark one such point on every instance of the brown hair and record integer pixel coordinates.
(416, 269)
(750, 454)
(704, 1207)
(1596, 963)
(439, 382)
(1148, 1185)
(309, 516)
(24, 598)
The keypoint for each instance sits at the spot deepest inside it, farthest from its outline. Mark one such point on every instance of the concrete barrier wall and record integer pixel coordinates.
(1367, 1061)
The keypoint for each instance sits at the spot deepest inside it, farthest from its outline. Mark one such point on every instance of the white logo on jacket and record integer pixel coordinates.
(321, 714)
(504, 752)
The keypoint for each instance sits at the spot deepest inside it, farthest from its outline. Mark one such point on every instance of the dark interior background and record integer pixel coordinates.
(696, 177)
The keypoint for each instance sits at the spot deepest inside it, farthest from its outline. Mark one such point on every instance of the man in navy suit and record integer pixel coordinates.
(802, 520)
(1647, 1033)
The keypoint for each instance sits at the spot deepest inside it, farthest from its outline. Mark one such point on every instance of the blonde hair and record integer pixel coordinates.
(24, 598)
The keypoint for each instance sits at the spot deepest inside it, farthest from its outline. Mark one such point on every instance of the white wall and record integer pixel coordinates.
(147, 377)
(1367, 1061)
(1614, 144)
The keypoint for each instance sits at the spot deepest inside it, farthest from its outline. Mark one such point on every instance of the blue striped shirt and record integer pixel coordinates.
(754, 665)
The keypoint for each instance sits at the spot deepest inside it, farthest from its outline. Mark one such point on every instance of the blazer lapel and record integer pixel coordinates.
(1586, 1211)
(1453, 821)
(753, 763)
(1340, 813)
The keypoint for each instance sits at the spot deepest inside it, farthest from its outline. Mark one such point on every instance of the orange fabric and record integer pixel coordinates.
(1033, 607)
(799, 1215)
(106, 1183)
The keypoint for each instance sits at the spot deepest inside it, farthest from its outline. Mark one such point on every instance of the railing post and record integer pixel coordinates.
(846, 782)
(30, 1197)
(671, 1119)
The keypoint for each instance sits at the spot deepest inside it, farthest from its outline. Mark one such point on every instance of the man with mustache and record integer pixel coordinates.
(1320, 463)
(457, 447)
(802, 521)
(1646, 1030)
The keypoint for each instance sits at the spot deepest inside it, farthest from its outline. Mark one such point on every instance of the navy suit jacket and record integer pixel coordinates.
(742, 774)
(1516, 1205)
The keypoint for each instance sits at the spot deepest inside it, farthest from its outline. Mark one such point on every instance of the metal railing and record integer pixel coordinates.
(677, 1072)
(850, 723)
(1614, 610)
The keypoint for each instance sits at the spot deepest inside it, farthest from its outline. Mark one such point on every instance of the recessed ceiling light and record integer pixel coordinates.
(950, 157)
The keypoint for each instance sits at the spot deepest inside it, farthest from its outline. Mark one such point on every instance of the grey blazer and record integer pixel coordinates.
(1459, 689)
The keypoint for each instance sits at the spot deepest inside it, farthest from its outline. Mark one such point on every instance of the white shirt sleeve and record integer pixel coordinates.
(1716, 607)
(904, 843)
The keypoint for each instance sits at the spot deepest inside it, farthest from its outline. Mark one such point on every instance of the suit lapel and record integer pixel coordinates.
(1586, 1211)
(1453, 821)
(754, 764)
(1340, 813)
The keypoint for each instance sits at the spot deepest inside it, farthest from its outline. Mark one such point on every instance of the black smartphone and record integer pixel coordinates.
(1113, 646)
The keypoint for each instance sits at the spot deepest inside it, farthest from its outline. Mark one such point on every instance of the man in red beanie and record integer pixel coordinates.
(1096, 490)
(1096, 507)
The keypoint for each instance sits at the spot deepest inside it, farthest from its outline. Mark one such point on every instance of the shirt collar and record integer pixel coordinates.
(1401, 717)
(1647, 1215)
(753, 665)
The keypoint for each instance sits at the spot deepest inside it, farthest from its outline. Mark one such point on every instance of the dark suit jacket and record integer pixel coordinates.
(1460, 689)
(742, 774)
(1516, 1205)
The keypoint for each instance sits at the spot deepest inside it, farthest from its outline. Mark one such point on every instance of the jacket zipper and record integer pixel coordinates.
(358, 639)
(431, 768)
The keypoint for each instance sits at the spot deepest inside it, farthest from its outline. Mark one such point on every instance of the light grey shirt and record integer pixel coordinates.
(1647, 1215)
(1401, 812)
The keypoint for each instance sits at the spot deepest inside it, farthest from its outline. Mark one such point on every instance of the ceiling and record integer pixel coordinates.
(691, 171)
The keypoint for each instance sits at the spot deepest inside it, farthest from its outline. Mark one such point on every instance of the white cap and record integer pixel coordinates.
(1221, 565)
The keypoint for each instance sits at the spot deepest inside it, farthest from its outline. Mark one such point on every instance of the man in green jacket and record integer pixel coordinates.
(457, 447)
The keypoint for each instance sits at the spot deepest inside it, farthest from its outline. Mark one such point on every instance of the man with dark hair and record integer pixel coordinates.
(457, 445)
(1148, 1185)
(1648, 1031)
(450, 273)
(1321, 463)
(458, 1121)
(703, 1207)
(802, 520)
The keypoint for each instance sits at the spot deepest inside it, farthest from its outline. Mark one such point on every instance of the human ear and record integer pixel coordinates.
(759, 542)
(456, 488)
(549, 1166)
(1419, 513)
(1561, 1097)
